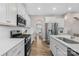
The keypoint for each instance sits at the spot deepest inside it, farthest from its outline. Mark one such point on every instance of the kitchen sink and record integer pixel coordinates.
(67, 40)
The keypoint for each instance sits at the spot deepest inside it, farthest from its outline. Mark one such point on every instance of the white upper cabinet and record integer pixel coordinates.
(8, 14)
(2, 13)
(11, 13)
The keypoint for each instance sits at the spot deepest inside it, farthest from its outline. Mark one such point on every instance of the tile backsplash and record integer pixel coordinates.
(5, 31)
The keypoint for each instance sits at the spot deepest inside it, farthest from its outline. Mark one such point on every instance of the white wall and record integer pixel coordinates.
(72, 24)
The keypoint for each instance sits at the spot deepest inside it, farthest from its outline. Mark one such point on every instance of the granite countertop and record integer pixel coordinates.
(7, 44)
(75, 47)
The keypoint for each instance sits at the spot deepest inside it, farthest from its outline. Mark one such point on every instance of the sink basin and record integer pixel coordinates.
(67, 40)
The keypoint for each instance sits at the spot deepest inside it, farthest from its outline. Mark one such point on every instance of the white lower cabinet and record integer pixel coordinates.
(8, 14)
(60, 51)
(18, 50)
(21, 51)
(54, 50)
(57, 48)
(53, 46)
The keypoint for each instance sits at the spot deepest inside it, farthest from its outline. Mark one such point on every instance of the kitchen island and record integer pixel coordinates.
(59, 47)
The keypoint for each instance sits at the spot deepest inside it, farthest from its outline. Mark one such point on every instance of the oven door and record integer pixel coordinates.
(27, 46)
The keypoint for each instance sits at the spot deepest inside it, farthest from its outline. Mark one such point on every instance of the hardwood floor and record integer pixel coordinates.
(40, 48)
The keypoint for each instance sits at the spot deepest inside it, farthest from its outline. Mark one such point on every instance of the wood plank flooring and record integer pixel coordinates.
(40, 48)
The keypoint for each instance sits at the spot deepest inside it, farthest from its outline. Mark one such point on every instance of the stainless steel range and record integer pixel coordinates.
(27, 40)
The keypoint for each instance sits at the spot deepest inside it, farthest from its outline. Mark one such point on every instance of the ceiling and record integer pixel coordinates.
(51, 8)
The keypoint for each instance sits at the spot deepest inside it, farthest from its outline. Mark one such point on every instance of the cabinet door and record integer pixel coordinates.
(2, 13)
(61, 49)
(18, 50)
(53, 46)
(13, 51)
(11, 13)
(57, 48)
(8, 14)
(21, 47)
(60, 52)
(21, 52)
(54, 49)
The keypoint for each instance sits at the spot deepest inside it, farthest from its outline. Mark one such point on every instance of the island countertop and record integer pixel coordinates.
(75, 47)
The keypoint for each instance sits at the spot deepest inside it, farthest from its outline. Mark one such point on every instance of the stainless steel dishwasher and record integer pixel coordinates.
(71, 52)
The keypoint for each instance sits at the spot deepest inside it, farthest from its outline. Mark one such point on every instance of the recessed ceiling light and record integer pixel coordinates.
(39, 8)
(54, 8)
(69, 8)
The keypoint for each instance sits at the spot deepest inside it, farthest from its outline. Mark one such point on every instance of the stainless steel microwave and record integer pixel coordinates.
(21, 22)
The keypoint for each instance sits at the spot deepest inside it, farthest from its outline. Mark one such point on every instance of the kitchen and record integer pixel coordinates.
(39, 29)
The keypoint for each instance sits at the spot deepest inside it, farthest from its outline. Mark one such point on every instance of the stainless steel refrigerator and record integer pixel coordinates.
(54, 29)
(50, 29)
